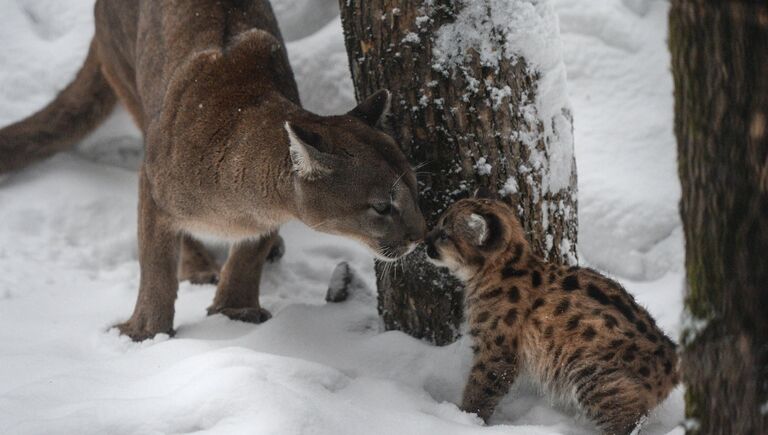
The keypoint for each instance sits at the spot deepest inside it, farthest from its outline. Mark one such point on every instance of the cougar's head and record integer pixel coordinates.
(352, 179)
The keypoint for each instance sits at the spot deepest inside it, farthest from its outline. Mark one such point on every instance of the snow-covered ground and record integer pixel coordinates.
(68, 265)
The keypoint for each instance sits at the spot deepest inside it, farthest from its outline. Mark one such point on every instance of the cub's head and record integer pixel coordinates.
(472, 233)
(352, 179)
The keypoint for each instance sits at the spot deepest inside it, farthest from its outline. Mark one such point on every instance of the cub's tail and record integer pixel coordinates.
(77, 110)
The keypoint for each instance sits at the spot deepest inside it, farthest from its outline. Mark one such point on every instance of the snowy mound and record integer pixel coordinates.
(68, 266)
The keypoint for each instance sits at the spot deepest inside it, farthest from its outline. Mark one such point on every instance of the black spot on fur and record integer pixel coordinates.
(610, 321)
(517, 255)
(659, 351)
(482, 317)
(548, 332)
(511, 316)
(535, 278)
(499, 340)
(562, 307)
(573, 323)
(629, 334)
(488, 391)
(644, 371)
(608, 356)
(537, 304)
(514, 294)
(510, 272)
(628, 356)
(616, 343)
(514, 343)
(589, 333)
(652, 338)
(570, 283)
(623, 308)
(474, 332)
(647, 386)
(475, 349)
(552, 277)
(595, 293)
(641, 327)
(667, 367)
(492, 294)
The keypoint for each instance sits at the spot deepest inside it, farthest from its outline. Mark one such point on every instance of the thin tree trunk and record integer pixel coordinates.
(470, 123)
(720, 67)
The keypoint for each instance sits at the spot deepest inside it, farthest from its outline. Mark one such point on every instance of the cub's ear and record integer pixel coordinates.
(374, 109)
(308, 162)
(477, 228)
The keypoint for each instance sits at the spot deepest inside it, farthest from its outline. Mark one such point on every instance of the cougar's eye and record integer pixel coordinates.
(382, 208)
(443, 236)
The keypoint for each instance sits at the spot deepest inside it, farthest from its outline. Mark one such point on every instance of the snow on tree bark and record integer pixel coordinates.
(479, 99)
(720, 68)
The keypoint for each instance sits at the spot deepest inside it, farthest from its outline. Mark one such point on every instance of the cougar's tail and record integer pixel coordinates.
(77, 110)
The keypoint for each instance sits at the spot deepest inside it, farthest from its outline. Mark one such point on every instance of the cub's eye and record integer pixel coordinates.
(443, 236)
(382, 208)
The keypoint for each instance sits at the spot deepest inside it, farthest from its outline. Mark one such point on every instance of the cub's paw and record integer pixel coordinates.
(277, 251)
(249, 315)
(139, 333)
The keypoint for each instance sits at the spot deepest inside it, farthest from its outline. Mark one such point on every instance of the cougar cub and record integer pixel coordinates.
(576, 332)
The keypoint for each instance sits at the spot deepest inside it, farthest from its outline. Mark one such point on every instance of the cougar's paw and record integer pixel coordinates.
(277, 251)
(249, 315)
(140, 333)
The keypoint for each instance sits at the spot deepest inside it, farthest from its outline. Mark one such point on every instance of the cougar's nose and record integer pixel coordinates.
(419, 231)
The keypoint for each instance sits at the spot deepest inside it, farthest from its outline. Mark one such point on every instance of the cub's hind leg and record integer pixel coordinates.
(158, 259)
(617, 407)
(489, 381)
(237, 295)
(196, 263)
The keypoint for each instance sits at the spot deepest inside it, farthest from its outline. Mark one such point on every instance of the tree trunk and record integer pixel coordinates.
(720, 67)
(471, 121)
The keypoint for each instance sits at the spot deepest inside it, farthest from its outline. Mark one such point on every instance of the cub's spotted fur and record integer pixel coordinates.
(578, 333)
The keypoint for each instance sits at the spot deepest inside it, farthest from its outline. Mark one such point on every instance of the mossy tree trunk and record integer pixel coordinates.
(720, 67)
(469, 124)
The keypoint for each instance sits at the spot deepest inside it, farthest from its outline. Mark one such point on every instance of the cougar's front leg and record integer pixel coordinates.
(196, 263)
(237, 296)
(158, 259)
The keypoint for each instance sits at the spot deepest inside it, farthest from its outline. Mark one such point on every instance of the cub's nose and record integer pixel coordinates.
(429, 241)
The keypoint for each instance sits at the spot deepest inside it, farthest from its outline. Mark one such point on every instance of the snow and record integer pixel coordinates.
(68, 258)
(527, 29)
(621, 89)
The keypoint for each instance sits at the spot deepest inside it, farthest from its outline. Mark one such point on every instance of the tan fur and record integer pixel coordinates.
(576, 332)
(229, 152)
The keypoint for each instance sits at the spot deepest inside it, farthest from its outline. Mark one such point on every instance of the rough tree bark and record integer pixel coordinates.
(720, 67)
(471, 120)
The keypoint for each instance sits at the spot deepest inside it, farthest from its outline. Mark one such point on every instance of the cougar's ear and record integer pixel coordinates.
(477, 227)
(308, 162)
(374, 109)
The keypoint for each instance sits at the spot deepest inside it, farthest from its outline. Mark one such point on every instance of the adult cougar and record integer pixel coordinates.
(229, 151)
